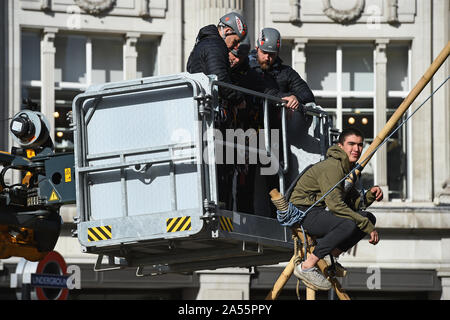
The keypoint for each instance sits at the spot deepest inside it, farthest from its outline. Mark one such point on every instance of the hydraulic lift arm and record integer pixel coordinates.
(29, 211)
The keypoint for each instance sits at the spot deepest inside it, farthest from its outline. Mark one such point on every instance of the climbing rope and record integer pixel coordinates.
(297, 260)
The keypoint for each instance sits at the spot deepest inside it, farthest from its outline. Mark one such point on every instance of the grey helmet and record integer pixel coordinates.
(269, 40)
(236, 22)
(243, 49)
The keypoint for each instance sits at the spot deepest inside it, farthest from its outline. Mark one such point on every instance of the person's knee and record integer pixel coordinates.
(349, 226)
(369, 215)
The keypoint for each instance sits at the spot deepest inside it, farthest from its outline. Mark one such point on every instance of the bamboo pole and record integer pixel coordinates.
(428, 75)
(281, 202)
(323, 266)
(281, 281)
(310, 294)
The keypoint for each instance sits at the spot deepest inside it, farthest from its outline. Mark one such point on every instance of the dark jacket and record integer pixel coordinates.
(321, 177)
(287, 79)
(210, 56)
(244, 76)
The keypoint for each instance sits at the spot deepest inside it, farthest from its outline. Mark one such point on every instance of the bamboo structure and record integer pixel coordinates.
(281, 203)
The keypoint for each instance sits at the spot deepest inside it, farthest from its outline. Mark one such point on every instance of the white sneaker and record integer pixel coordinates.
(312, 278)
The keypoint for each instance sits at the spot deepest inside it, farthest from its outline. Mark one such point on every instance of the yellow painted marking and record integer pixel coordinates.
(106, 231)
(30, 153)
(53, 196)
(67, 175)
(178, 224)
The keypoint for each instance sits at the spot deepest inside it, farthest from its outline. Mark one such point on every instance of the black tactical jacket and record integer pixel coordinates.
(210, 56)
(287, 79)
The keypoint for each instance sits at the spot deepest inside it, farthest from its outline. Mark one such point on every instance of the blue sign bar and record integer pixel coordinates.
(49, 280)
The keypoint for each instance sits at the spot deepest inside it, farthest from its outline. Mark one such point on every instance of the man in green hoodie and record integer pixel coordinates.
(337, 222)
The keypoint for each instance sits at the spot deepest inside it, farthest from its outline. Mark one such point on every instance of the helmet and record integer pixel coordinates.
(243, 49)
(269, 40)
(236, 22)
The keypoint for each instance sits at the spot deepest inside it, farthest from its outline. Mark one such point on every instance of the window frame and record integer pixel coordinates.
(339, 95)
(79, 86)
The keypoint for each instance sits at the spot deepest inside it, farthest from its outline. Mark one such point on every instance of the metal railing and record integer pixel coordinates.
(308, 109)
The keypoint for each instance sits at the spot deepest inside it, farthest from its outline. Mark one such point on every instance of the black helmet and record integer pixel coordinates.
(236, 22)
(243, 49)
(269, 40)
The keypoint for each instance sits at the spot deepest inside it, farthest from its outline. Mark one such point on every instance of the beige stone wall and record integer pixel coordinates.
(425, 24)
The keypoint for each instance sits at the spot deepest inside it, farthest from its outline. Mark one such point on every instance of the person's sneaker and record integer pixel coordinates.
(312, 277)
(340, 270)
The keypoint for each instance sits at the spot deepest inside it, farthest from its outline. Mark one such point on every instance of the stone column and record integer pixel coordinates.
(48, 76)
(224, 284)
(299, 57)
(441, 112)
(130, 56)
(206, 12)
(212, 11)
(3, 74)
(445, 283)
(444, 271)
(380, 113)
(420, 151)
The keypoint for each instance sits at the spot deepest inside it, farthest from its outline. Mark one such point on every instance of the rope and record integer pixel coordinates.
(297, 290)
(297, 256)
(297, 259)
(291, 216)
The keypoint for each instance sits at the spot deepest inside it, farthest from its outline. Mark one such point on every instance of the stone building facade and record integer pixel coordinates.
(360, 57)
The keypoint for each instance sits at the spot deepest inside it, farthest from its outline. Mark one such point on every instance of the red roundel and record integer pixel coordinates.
(52, 257)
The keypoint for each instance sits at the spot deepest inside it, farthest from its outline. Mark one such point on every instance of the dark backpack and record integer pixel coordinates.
(292, 186)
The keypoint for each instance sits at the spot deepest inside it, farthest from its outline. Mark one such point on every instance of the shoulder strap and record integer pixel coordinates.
(292, 186)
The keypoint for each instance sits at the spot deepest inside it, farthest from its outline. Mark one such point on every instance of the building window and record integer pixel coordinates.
(342, 78)
(31, 65)
(70, 59)
(80, 61)
(147, 65)
(31, 56)
(107, 59)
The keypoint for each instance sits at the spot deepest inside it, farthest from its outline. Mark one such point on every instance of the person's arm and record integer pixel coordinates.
(373, 194)
(299, 87)
(335, 201)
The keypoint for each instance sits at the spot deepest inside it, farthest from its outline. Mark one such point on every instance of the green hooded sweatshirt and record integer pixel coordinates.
(321, 177)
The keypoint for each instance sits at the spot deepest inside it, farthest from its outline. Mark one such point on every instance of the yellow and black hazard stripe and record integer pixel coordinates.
(99, 233)
(178, 224)
(226, 224)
